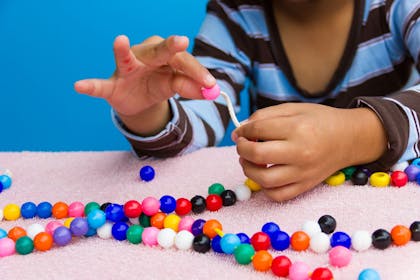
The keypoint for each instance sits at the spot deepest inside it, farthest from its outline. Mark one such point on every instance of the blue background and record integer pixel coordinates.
(45, 46)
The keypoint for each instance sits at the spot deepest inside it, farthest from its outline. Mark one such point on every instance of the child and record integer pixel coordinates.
(327, 88)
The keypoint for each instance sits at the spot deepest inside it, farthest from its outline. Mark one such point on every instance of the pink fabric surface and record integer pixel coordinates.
(113, 176)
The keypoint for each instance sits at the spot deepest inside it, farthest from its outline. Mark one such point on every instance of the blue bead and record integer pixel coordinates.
(44, 210)
(62, 236)
(270, 228)
(3, 233)
(5, 181)
(215, 244)
(418, 179)
(96, 218)
(119, 231)
(197, 227)
(244, 238)
(115, 212)
(369, 274)
(229, 243)
(147, 173)
(416, 162)
(280, 240)
(340, 238)
(1, 187)
(90, 232)
(167, 204)
(79, 226)
(28, 210)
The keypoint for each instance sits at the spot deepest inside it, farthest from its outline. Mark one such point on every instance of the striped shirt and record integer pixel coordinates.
(239, 42)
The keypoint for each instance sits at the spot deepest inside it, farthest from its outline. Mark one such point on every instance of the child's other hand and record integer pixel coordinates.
(303, 144)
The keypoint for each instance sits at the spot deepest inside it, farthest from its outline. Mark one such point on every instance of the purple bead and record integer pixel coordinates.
(412, 171)
(79, 226)
(197, 227)
(62, 236)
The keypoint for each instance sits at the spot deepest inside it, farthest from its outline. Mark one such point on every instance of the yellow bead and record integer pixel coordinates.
(172, 221)
(253, 186)
(68, 221)
(338, 178)
(11, 212)
(380, 179)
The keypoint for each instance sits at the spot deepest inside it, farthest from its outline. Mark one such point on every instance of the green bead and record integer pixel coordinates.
(24, 245)
(134, 233)
(91, 206)
(348, 171)
(244, 253)
(144, 220)
(216, 188)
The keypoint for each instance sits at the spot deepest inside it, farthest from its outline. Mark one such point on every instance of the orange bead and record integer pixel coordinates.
(16, 232)
(299, 241)
(157, 220)
(400, 235)
(262, 260)
(210, 226)
(60, 210)
(43, 241)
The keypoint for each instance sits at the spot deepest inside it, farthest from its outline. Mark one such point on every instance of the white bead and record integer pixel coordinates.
(311, 228)
(33, 230)
(400, 166)
(166, 238)
(361, 240)
(320, 243)
(243, 193)
(105, 231)
(184, 240)
(134, 221)
(1, 214)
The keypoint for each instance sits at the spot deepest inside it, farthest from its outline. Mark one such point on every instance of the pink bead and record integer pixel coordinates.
(150, 206)
(76, 209)
(339, 256)
(149, 236)
(7, 247)
(185, 223)
(299, 271)
(211, 93)
(52, 226)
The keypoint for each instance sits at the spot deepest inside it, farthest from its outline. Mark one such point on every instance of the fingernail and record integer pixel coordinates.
(209, 80)
(178, 39)
(234, 137)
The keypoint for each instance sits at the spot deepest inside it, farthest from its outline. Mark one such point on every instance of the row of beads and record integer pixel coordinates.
(5, 179)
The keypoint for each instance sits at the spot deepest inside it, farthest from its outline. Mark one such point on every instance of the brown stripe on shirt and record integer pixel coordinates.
(211, 138)
(375, 26)
(223, 113)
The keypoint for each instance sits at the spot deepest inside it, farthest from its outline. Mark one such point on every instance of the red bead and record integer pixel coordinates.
(322, 273)
(280, 266)
(183, 206)
(132, 209)
(399, 178)
(260, 241)
(214, 202)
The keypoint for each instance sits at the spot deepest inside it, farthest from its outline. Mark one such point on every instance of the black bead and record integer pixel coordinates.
(201, 243)
(381, 239)
(359, 177)
(327, 224)
(198, 204)
(105, 205)
(228, 197)
(415, 231)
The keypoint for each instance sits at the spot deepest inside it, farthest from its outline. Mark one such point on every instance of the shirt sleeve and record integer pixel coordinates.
(400, 111)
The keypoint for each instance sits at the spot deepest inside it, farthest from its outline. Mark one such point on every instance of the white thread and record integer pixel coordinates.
(230, 109)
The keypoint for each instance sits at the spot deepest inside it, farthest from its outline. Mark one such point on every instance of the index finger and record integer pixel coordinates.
(265, 130)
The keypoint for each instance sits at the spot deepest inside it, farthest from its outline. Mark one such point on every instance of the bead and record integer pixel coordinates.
(214, 202)
(198, 204)
(149, 236)
(28, 210)
(229, 243)
(262, 260)
(52, 226)
(76, 209)
(359, 177)
(183, 206)
(400, 166)
(399, 179)
(228, 198)
(43, 241)
(157, 220)
(299, 271)
(68, 221)
(320, 243)
(215, 244)
(91, 206)
(201, 243)
(79, 226)
(186, 223)
(147, 173)
(211, 93)
(119, 231)
(253, 186)
(311, 228)
(167, 204)
(412, 171)
(339, 256)
(5, 181)
(243, 193)
(134, 234)
(260, 241)
(105, 231)
(244, 253)
(184, 240)
(299, 241)
(11, 212)
(145, 221)
(60, 210)
(104, 206)
(172, 221)
(322, 273)
(415, 231)
(62, 236)
(3, 233)
(16, 232)
(1, 214)
(270, 228)
(90, 232)
(33, 230)
(197, 227)
(340, 238)
(132, 209)
(7, 247)
(244, 238)
(216, 188)
(416, 162)
(166, 238)
(96, 218)
(150, 206)
(348, 172)
(280, 240)
(327, 224)
(381, 239)
(210, 226)
(280, 266)
(369, 274)
(380, 179)
(400, 235)
(418, 179)
(24, 245)
(361, 240)
(337, 179)
(115, 212)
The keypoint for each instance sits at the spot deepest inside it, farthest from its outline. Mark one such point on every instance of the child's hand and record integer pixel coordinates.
(303, 144)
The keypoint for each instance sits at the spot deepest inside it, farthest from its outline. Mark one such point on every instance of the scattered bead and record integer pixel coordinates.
(412, 171)
(260, 241)
(16, 232)
(184, 240)
(134, 234)
(11, 212)
(270, 228)
(361, 240)
(243, 193)
(322, 273)
(327, 224)
(228, 198)
(415, 231)
(311, 228)
(399, 179)
(216, 188)
(244, 253)
(253, 186)
(262, 260)
(172, 221)
(299, 271)
(166, 238)
(340, 238)
(150, 206)
(7, 247)
(167, 204)
(24, 245)
(147, 173)
(320, 243)
(33, 230)
(76, 209)
(5, 181)
(360, 177)
(210, 228)
(132, 208)
(197, 227)
(214, 202)
(229, 243)
(183, 206)
(299, 241)
(381, 239)
(90, 207)
(337, 179)
(43, 241)
(339, 256)
(149, 236)
(369, 274)
(380, 179)
(62, 236)
(400, 235)
(157, 220)
(280, 266)
(201, 243)
(186, 223)
(280, 240)
(348, 171)
(60, 210)
(28, 210)
(105, 231)
(198, 204)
